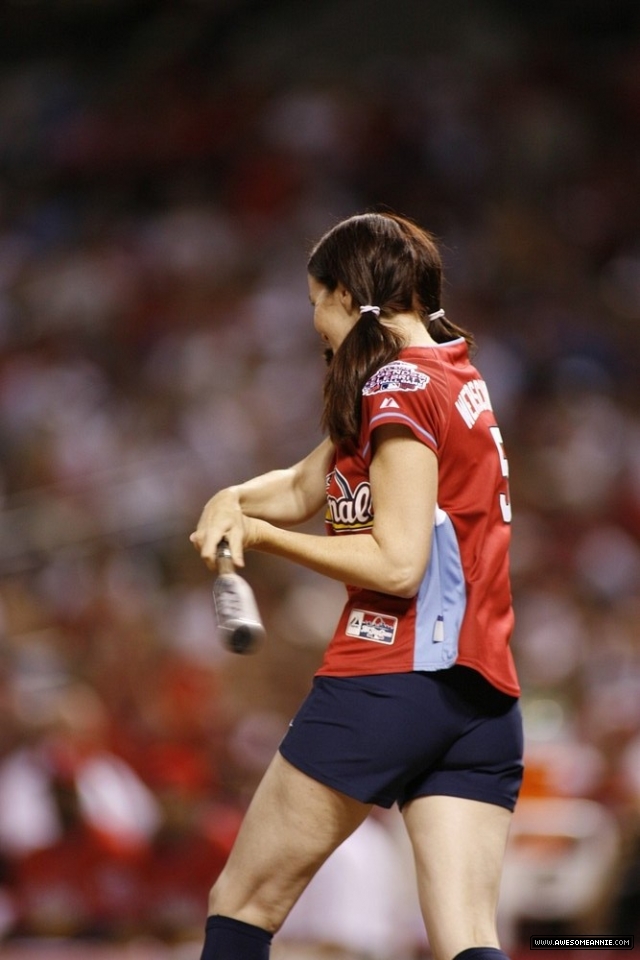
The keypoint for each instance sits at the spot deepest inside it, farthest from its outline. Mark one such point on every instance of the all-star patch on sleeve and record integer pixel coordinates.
(404, 392)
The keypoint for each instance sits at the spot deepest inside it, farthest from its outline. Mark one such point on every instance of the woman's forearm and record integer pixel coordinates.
(357, 559)
(281, 498)
(288, 496)
(393, 556)
(274, 497)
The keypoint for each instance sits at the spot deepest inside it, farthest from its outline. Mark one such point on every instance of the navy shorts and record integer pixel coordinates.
(390, 738)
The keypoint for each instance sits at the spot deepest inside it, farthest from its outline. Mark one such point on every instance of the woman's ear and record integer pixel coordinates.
(346, 300)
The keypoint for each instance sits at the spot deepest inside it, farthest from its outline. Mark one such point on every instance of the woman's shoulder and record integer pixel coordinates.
(415, 367)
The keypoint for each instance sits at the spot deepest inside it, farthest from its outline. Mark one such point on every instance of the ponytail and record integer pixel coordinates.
(368, 346)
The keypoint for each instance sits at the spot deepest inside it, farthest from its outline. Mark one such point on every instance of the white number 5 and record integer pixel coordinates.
(505, 504)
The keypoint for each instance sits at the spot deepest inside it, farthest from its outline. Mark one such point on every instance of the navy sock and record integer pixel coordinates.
(229, 939)
(481, 953)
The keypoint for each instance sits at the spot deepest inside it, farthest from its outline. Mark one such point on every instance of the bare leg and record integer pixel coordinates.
(292, 826)
(459, 847)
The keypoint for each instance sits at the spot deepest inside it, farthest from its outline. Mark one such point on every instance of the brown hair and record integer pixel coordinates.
(390, 262)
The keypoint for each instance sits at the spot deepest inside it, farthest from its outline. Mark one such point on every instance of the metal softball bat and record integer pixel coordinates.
(238, 619)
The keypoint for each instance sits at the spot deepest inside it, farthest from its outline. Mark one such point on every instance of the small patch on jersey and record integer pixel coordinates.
(389, 402)
(398, 375)
(368, 625)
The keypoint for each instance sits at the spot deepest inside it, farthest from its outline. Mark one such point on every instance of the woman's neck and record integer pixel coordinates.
(411, 329)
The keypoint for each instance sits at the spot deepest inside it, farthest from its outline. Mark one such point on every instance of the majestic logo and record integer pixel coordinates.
(353, 508)
(368, 625)
(398, 375)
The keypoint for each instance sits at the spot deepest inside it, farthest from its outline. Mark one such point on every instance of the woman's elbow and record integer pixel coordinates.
(406, 591)
(404, 580)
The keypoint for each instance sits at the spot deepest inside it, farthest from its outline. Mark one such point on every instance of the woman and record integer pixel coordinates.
(415, 702)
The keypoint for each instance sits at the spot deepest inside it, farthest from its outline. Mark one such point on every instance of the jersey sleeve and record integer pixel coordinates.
(404, 393)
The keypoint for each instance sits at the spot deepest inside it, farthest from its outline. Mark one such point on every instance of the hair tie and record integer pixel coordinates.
(436, 315)
(368, 308)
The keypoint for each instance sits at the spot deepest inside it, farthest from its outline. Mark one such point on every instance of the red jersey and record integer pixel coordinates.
(462, 612)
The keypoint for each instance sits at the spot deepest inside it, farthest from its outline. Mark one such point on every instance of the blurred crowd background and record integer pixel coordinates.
(164, 169)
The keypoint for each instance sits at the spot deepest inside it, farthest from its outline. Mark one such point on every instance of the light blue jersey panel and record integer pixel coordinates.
(442, 599)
